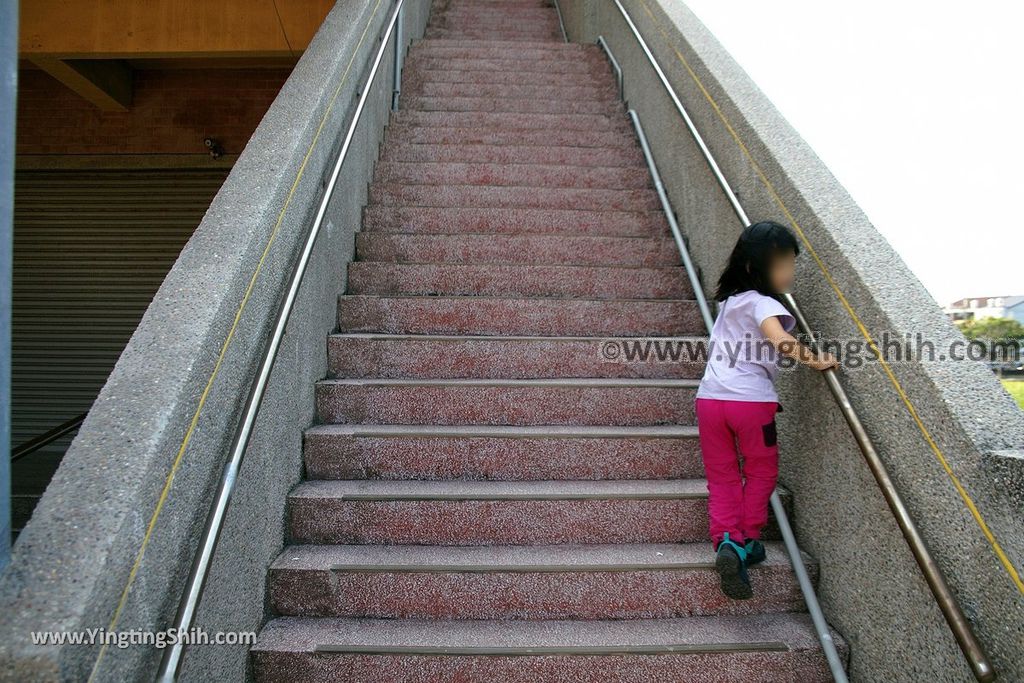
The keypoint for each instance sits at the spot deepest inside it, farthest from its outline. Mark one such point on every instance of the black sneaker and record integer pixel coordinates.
(755, 551)
(730, 561)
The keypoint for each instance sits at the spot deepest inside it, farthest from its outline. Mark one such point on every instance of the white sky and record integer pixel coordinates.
(916, 107)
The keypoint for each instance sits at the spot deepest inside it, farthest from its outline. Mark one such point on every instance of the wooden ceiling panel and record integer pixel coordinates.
(113, 29)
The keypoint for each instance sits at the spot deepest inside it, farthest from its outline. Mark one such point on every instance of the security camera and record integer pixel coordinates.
(215, 149)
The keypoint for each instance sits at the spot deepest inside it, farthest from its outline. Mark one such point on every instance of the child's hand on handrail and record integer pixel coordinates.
(824, 361)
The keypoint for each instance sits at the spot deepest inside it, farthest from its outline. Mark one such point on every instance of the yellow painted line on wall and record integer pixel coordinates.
(1004, 560)
(227, 341)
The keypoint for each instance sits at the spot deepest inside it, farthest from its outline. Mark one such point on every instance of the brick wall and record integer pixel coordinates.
(172, 112)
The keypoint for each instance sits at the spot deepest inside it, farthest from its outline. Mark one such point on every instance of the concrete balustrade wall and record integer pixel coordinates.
(173, 400)
(925, 416)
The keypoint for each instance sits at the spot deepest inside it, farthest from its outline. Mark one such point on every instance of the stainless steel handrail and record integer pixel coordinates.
(172, 655)
(47, 437)
(806, 588)
(561, 23)
(955, 618)
(396, 77)
(677, 234)
(615, 65)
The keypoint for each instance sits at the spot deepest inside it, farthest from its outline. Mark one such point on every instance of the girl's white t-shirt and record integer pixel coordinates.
(741, 362)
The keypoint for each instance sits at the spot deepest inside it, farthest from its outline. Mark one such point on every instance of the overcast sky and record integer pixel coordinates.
(916, 107)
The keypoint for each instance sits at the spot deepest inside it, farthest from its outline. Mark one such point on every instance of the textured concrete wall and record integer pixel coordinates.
(871, 588)
(173, 396)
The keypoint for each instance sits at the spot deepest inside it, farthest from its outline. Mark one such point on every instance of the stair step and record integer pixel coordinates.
(455, 513)
(505, 17)
(587, 282)
(485, 11)
(589, 65)
(497, 4)
(538, 155)
(493, 4)
(518, 316)
(512, 197)
(519, 138)
(413, 102)
(563, 249)
(516, 14)
(493, 25)
(396, 356)
(510, 121)
(514, 221)
(508, 174)
(777, 647)
(595, 93)
(411, 78)
(476, 49)
(548, 31)
(627, 581)
(487, 24)
(613, 401)
(333, 451)
(447, 43)
(539, 34)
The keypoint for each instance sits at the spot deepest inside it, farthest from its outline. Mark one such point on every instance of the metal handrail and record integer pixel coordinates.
(955, 618)
(46, 438)
(561, 23)
(615, 65)
(396, 75)
(804, 581)
(172, 655)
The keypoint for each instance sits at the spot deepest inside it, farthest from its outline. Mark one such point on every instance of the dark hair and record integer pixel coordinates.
(751, 258)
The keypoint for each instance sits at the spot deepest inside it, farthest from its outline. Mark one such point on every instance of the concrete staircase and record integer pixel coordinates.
(486, 497)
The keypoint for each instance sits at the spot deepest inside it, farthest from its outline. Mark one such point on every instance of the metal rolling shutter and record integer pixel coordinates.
(91, 248)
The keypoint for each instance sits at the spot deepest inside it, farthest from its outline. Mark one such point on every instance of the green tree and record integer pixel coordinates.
(1002, 338)
(996, 329)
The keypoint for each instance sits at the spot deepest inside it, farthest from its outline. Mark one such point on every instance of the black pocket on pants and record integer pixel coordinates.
(771, 436)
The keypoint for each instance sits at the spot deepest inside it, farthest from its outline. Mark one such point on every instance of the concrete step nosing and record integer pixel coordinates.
(517, 569)
(577, 214)
(610, 103)
(511, 496)
(623, 268)
(781, 632)
(514, 165)
(539, 650)
(573, 382)
(469, 187)
(522, 236)
(375, 336)
(630, 165)
(532, 559)
(565, 149)
(532, 299)
(506, 431)
(615, 128)
(500, 490)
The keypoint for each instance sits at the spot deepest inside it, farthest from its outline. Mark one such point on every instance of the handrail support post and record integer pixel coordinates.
(396, 80)
(615, 65)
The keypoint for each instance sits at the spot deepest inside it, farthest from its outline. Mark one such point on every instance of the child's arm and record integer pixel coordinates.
(789, 346)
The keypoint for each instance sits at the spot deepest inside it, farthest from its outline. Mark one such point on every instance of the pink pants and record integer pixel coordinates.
(741, 509)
